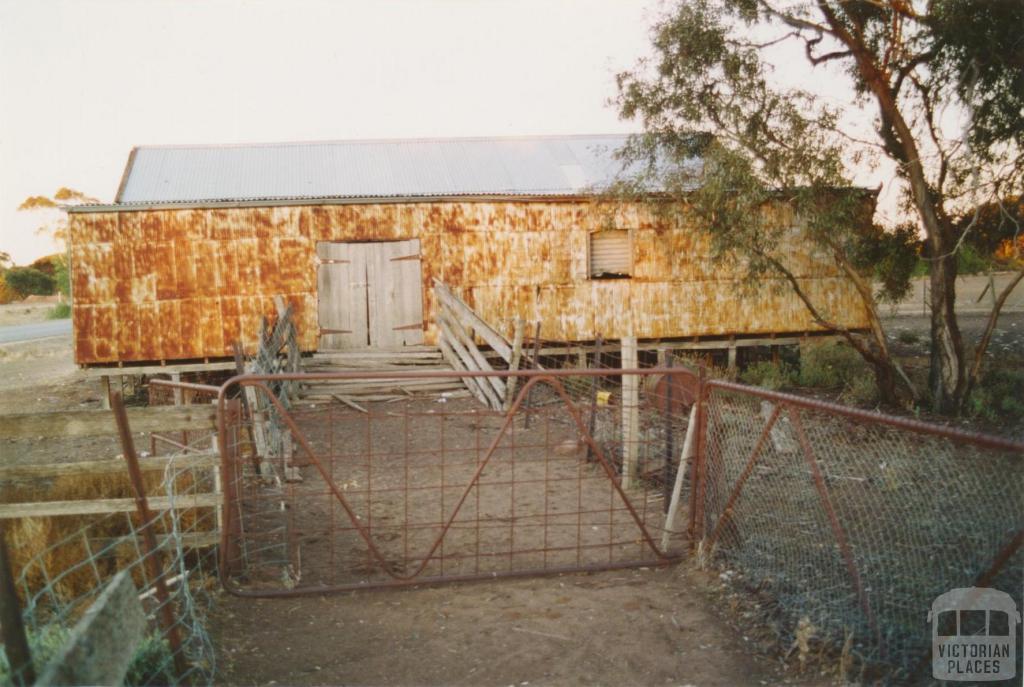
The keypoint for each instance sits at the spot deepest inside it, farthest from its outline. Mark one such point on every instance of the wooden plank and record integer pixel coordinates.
(473, 321)
(158, 369)
(380, 294)
(513, 364)
(341, 295)
(101, 645)
(467, 342)
(714, 345)
(689, 449)
(403, 271)
(630, 413)
(467, 362)
(457, 364)
(259, 431)
(44, 509)
(112, 465)
(80, 423)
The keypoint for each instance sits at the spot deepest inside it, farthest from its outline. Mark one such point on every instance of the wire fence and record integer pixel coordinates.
(847, 525)
(577, 475)
(74, 557)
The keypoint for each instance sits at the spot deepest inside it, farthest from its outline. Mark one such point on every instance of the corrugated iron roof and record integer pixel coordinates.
(527, 166)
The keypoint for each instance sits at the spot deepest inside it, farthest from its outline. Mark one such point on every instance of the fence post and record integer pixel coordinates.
(630, 412)
(698, 484)
(592, 423)
(15, 644)
(100, 647)
(153, 567)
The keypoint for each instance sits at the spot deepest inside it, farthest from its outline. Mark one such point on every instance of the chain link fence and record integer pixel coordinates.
(847, 525)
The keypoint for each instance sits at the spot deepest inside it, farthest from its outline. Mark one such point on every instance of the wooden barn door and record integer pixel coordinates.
(370, 294)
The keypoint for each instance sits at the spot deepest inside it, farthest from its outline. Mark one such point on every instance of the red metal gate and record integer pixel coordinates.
(342, 494)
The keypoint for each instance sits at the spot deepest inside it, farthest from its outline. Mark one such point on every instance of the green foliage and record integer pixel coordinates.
(908, 337)
(970, 261)
(61, 311)
(909, 63)
(837, 367)
(26, 281)
(151, 664)
(997, 396)
(62, 275)
(979, 52)
(769, 375)
(890, 256)
(43, 646)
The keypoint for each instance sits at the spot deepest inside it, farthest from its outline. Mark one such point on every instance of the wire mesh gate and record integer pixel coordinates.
(576, 475)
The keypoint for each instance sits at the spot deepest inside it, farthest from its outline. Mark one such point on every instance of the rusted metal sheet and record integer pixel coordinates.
(184, 284)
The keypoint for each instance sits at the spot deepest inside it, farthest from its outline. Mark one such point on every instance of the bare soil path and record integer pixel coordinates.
(634, 627)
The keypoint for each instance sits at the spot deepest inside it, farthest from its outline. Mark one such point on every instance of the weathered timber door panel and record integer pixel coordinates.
(370, 294)
(341, 296)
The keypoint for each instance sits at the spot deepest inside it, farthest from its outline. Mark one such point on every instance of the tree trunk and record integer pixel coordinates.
(885, 380)
(947, 376)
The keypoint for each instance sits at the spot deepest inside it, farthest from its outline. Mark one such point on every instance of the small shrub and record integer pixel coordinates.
(26, 281)
(997, 396)
(769, 375)
(861, 390)
(908, 337)
(61, 311)
(830, 366)
(152, 663)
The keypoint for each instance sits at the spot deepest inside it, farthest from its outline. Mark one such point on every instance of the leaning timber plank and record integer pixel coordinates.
(467, 341)
(368, 365)
(44, 509)
(359, 392)
(113, 465)
(513, 364)
(99, 649)
(80, 423)
(467, 360)
(340, 386)
(473, 321)
(349, 402)
(410, 353)
(455, 362)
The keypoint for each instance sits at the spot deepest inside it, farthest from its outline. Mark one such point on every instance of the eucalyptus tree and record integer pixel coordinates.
(947, 114)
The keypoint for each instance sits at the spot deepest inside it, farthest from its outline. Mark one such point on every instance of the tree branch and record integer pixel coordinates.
(990, 325)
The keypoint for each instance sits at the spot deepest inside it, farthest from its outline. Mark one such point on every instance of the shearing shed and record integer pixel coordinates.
(354, 235)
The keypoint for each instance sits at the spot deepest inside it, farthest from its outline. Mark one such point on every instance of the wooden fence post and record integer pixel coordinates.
(101, 645)
(19, 658)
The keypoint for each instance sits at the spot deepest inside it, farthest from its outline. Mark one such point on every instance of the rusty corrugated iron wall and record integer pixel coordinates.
(182, 284)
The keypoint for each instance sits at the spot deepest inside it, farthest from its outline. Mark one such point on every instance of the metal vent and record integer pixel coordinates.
(610, 254)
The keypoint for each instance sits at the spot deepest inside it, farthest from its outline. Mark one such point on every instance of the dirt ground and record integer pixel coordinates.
(643, 626)
(634, 627)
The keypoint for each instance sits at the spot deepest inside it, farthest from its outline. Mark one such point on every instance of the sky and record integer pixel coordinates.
(83, 81)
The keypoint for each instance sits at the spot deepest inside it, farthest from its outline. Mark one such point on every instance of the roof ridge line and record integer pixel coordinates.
(357, 141)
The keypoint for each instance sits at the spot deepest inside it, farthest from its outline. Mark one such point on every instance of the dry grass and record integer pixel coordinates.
(53, 550)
